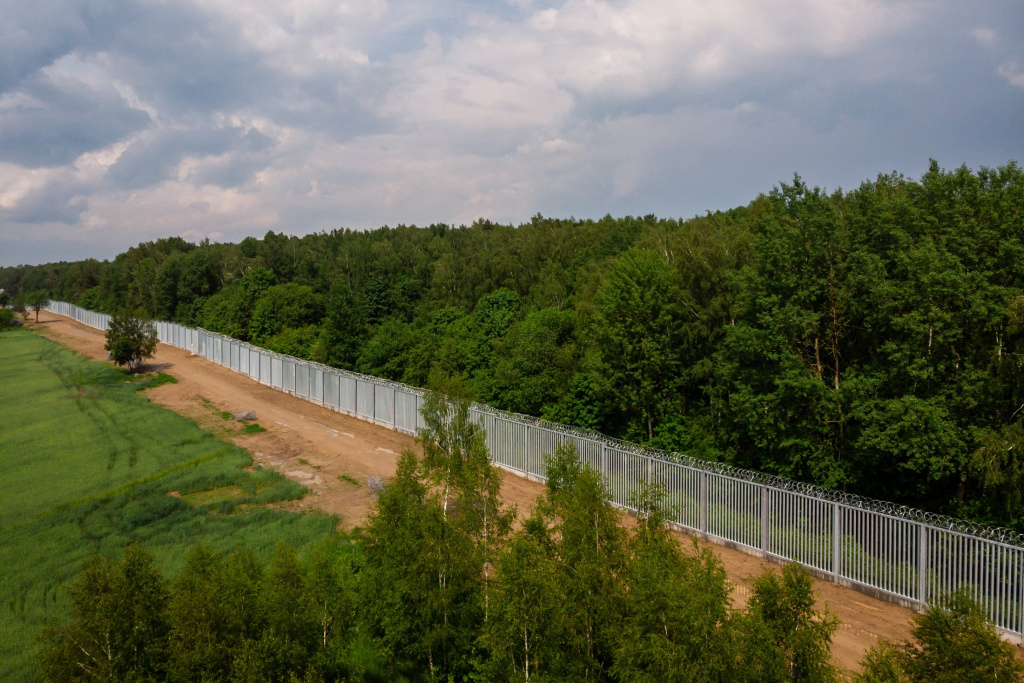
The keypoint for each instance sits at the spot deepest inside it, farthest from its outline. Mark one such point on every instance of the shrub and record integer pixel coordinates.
(953, 642)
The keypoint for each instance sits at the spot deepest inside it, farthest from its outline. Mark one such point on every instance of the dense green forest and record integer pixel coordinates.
(869, 340)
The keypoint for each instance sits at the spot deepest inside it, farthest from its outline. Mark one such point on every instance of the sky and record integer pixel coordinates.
(122, 122)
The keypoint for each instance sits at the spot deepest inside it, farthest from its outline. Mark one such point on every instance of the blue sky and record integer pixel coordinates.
(127, 121)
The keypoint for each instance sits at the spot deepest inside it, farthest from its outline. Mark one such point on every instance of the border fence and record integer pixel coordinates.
(891, 551)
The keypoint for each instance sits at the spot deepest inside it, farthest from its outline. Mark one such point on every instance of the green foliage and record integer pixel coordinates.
(37, 301)
(130, 340)
(89, 464)
(870, 340)
(783, 638)
(677, 624)
(952, 641)
(253, 428)
(118, 629)
(638, 324)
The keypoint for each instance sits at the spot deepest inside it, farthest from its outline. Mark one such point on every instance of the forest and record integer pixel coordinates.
(868, 340)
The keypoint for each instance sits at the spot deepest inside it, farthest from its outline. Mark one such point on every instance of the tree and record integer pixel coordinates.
(953, 642)
(577, 523)
(37, 301)
(783, 638)
(676, 625)
(118, 630)
(130, 340)
(638, 326)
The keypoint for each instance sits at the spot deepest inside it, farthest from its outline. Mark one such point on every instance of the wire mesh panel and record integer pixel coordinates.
(302, 379)
(316, 384)
(588, 451)
(364, 399)
(992, 573)
(682, 491)
(331, 389)
(384, 404)
(236, 353)
(801, 528)
(404, 416)
(506, 440)
(347, 390)
(225, 351)
(243, 359)
(288, 375)
(276, 370)
(734, 510)
(254, 363)
(264, 368)
(880, 551)
(624, 473)
(543, 444)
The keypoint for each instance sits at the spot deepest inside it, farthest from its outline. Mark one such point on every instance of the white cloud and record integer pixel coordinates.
(219, 118)
(1012, 72)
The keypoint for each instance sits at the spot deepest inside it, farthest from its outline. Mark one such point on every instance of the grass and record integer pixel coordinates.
(253, 428)
(345, 477)
(89, 465)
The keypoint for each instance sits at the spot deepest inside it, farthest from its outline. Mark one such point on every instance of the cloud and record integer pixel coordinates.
(54, 118)
(126, 121)
(1013, 73)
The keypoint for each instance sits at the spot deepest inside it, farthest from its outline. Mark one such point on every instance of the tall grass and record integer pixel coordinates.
(89, 465)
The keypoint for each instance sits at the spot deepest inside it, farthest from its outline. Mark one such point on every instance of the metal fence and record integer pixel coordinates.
(891, 551)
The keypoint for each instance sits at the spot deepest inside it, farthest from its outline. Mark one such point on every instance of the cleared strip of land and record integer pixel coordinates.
(320, 448)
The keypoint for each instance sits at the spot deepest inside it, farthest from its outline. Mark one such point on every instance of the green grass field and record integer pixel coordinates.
(88, 464)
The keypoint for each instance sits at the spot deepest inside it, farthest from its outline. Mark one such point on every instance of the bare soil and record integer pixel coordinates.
(318, 447)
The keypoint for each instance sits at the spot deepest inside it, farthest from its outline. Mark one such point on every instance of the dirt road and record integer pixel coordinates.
(323, 449)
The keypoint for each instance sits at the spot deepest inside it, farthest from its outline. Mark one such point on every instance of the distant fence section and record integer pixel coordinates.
(891, 551)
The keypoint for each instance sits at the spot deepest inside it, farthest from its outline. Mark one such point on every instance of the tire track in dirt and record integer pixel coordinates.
(318, 447)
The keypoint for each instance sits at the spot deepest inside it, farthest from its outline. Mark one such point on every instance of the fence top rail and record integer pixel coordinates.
(851, 500)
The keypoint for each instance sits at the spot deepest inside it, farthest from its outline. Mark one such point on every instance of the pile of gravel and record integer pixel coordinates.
(245, 416)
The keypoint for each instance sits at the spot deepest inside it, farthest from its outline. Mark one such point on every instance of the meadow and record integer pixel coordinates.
(90, 465)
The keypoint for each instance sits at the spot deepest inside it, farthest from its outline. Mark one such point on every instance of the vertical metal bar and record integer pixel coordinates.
(527, 438)
(837, 541)
(703, 502)
(765, 521)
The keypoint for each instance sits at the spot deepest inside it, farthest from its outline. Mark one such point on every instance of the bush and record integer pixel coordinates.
(953, 642)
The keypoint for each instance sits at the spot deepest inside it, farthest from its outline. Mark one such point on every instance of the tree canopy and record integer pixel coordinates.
(869, 340)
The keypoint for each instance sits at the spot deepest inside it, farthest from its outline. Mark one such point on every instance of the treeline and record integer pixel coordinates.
(440, 587)
(867, 340)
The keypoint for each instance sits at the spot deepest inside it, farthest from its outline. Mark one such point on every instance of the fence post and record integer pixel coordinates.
(527, 450)
(837, 541)
(765, 520)
(703, 502)
(922, 563)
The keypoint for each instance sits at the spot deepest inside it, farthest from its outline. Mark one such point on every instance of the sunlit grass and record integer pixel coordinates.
(89, 464)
